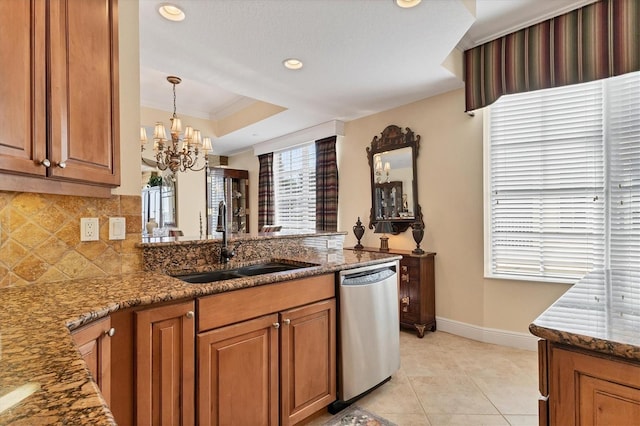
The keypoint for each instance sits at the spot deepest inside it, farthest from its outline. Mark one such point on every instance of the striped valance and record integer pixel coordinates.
(596, 41)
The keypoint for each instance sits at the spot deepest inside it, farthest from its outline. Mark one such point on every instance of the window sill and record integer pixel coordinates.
(547, 280)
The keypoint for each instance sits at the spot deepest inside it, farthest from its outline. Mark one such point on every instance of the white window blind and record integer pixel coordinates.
(295, 187)
(563, 181)
(547, 183)
(623, 104)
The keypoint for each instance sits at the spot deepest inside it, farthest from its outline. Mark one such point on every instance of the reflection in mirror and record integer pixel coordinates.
(393, 184)
(394, 188)
(158, 201)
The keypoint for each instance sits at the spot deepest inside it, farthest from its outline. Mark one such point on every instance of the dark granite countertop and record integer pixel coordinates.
(600, 313)
(37, 354)
(216, 237)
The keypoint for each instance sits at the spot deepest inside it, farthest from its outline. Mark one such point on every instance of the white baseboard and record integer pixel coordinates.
(488, 335)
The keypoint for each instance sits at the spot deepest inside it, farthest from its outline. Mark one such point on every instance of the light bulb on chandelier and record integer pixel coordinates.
(177, 154)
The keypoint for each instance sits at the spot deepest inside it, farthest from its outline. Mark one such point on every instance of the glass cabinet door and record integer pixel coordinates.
(233, 186)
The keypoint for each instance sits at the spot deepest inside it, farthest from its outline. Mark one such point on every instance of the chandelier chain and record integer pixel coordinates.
(174, 100)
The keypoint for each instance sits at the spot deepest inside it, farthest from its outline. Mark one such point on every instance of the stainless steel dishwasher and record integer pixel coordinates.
(369, 336)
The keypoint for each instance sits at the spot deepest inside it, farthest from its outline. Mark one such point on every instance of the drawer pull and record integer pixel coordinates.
(404, 268)
(287, 321)
(405, 303)
(404, 277)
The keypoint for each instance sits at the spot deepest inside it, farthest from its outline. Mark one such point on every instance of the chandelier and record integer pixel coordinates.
(379, 168)
(177, 154)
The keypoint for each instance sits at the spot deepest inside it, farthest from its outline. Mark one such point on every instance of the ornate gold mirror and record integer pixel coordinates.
(394, 184)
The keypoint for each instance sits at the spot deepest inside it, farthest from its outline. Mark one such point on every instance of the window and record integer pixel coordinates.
(563, 181)
(294, 175)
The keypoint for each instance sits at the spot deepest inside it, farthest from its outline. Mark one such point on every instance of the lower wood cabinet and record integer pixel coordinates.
(587, 388)
(264, 355)
(307, 360)
(94, 343)
(417, 291)
(165, 338)
(276, 369)
(238, 374)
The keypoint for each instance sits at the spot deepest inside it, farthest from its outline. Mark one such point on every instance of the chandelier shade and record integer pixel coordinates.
(179, 152)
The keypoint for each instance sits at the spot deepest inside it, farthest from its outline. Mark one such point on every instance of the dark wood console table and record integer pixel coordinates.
(417, 292)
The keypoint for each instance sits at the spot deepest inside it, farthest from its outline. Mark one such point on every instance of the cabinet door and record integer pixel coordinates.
(94, 343)
(238, 374)
(165, 339)
(308, 360)
(593, 390)
(22, 92)
(84, 115)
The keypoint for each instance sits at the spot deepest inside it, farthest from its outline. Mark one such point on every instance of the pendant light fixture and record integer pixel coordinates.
(182, 151)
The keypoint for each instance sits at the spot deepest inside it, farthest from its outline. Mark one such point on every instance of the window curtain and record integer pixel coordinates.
(596, 41)
(326, 185)
(266, 198)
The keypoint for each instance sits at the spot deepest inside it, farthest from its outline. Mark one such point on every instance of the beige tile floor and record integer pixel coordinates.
(449, 380)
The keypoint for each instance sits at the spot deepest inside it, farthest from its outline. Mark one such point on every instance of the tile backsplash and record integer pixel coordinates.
(40, 237)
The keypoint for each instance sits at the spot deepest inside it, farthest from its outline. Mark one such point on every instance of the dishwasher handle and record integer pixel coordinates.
(368, 277)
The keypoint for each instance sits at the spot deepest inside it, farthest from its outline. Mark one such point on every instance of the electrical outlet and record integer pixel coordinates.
(331, 244)
(89, 229)
(117, 228)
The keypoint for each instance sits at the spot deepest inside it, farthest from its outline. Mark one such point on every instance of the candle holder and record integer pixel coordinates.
(358, 231)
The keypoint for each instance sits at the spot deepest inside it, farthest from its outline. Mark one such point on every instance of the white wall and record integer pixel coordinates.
(450, 193)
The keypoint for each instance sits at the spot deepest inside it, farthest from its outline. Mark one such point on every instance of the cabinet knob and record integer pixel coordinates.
(276, 325)
(404, 268)
(61, 164)
(110, 332)
(404, 277)
(46, 162)
(405, 303)
(189, 314)
(287, 321)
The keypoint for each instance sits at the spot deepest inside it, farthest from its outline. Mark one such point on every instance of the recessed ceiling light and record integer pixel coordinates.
(406, 4)
(292, 63)
(171, 12)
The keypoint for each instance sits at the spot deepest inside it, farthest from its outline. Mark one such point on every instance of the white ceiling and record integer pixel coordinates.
(360, 56)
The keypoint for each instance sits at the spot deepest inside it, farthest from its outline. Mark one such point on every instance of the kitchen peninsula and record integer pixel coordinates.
(589, 358)
(37, 353)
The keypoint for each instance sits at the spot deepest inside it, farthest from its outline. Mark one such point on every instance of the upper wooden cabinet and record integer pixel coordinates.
(59, 106)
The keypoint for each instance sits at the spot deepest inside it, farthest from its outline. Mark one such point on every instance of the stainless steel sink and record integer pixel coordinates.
(243, 271)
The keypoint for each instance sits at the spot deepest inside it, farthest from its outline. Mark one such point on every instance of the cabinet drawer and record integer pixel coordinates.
(214, 311)
(409, 262)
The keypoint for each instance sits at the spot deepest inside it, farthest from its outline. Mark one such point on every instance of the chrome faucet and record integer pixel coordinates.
(225, 253)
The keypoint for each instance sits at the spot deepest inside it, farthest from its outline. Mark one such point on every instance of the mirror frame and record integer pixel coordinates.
(392, 138)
